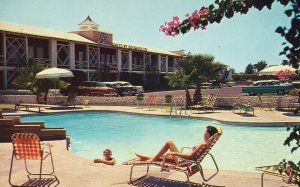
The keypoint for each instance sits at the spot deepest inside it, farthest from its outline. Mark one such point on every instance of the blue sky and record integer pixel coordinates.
(235, 42)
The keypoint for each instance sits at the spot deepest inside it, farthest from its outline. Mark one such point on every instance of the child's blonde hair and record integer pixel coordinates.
(107, 150)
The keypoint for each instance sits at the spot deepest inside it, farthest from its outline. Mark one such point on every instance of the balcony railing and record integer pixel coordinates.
(163, 69)
(112, 65)
(124, 68)
(108, 67)
(136, 67)
(81, 64)
(170, 69)
(151, 69)
(43, 61)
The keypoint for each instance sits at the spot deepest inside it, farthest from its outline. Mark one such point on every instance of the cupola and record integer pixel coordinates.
(88, 25)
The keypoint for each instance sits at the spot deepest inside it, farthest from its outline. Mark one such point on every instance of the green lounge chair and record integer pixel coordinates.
(243, 108)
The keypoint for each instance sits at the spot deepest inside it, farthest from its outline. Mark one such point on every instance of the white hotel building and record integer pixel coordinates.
(89, 50)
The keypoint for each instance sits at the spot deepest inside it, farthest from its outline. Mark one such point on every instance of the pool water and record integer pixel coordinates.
(240, 148)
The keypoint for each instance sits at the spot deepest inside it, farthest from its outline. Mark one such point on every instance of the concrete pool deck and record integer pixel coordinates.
(262, 117)
(73, 170)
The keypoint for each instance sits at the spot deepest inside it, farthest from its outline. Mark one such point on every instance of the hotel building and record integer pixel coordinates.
(88, 50)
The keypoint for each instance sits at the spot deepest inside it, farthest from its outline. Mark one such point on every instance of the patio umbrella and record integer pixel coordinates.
(274, 70)
(54, 73)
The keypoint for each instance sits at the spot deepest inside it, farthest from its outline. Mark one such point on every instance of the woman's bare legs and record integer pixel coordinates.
(169, 145)
(142, 157)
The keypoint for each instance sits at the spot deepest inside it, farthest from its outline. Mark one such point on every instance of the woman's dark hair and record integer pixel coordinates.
(211, 130)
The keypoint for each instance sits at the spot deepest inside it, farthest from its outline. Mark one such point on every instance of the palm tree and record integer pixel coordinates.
(206, 68)
(182, 78)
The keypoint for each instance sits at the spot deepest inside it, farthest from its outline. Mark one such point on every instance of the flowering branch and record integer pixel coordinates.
(195, 20)
(215, 12)
(284, 74)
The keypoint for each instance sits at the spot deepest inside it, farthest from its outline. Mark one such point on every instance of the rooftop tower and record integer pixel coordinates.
(88, 25)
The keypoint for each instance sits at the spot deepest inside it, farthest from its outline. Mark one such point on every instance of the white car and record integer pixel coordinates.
(129, 89)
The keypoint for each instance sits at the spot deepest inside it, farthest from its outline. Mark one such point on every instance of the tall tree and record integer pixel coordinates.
(249, 69)
(260, 65)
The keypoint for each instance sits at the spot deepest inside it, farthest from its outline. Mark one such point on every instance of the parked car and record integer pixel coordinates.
(267, 86)
(129, 89)
(116, 86)
(231, 84)
(95, 88)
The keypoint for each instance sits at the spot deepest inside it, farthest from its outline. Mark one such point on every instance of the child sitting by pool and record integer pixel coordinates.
(107, 159)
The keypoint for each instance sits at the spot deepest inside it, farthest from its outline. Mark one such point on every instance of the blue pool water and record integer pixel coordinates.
(239, 148)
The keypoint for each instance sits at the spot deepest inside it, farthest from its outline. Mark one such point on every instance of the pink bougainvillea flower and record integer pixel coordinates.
(176, 21)
(169, 29)
(171, 24)
(195, 15)
(175, 18)
(284, 74)
(193, 24)
(203, 11)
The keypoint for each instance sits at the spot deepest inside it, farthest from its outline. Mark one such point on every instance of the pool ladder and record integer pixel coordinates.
(174, 107)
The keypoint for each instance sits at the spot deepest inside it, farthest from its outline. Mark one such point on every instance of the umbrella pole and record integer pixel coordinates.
(55, 88)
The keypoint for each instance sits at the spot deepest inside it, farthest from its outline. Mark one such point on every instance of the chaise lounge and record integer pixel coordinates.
(188, 166)
(276, 170)
(209, 104)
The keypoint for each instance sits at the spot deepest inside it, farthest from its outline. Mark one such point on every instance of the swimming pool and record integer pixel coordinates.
(240, 148)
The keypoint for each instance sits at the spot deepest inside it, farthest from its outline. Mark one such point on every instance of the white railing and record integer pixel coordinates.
(112, 65)
(136, 67)
(81, 64)
(170, 69)
(43, 61)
